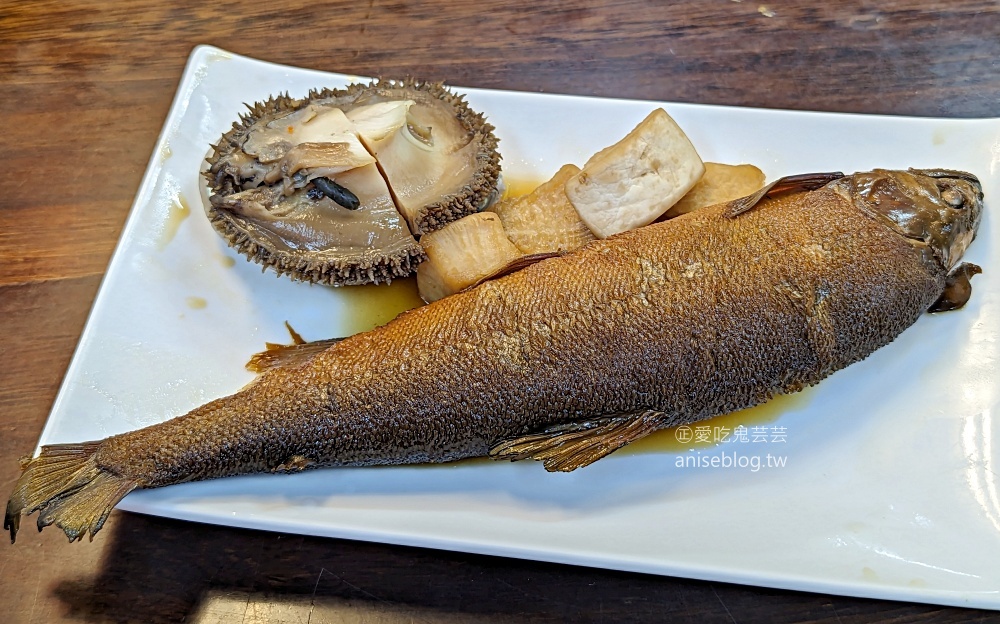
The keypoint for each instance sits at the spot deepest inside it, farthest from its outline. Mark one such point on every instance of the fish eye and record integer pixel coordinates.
(953, 197)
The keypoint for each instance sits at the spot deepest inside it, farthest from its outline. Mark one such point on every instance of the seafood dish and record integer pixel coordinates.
(576, 355)
(889, 487)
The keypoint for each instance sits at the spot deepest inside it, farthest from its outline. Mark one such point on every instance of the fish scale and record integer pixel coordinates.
(565, 360)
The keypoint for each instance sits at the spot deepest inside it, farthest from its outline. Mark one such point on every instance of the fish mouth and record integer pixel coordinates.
(937, 209)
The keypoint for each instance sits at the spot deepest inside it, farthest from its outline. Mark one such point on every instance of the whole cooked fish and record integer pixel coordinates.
(575, 356)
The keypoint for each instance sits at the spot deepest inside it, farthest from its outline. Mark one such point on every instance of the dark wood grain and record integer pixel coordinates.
(84, 89)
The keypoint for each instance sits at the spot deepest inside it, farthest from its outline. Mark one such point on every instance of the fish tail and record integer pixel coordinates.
(68, 488)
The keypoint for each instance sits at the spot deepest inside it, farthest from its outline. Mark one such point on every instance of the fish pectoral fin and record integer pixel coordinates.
(567, 447)
(957, 288)
(295, 463)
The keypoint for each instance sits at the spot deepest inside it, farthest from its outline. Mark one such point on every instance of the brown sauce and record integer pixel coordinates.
(517, 187)
(178, 211)
(668, 440)
(196, 303)
(373, 305)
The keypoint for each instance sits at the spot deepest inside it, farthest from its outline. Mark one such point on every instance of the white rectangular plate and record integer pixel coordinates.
(890, 484)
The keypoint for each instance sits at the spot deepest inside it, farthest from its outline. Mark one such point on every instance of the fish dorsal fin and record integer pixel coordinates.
(515, 265)
(787, 184)
(573, 445)
(276, 355)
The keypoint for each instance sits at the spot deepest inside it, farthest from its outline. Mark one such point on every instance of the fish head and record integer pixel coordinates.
(937, 207)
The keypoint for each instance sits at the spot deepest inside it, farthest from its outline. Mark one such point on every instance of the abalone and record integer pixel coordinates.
(336, 187)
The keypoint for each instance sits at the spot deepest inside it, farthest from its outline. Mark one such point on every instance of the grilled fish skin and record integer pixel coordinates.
(572, 357)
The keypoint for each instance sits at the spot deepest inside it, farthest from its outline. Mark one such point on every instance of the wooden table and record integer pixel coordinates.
(85, 88)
